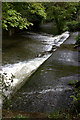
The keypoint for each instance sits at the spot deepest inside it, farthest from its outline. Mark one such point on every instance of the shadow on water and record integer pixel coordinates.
(20, 48)
(26, 45)
(48, 89)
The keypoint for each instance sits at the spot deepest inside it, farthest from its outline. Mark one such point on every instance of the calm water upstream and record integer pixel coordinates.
(47, 89)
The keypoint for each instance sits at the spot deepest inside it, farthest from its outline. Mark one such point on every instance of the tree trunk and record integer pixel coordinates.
(11, 31)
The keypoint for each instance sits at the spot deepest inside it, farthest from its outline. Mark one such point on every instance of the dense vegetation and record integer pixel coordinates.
(65, 15)
(77, 41)
(23, 15)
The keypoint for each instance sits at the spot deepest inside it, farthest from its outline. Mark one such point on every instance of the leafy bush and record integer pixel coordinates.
(12, 18)
(21, 15)
(72, 82)
(77, 100)
(72, 26)
(78, 39)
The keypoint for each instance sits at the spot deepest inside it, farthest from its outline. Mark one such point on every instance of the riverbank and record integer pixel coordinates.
(20, 114)
(58, 115)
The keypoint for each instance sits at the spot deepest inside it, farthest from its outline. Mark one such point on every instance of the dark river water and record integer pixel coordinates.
(26, 45)
(47, 89)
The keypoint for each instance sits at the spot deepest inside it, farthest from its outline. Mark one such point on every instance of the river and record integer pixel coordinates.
(47, 89)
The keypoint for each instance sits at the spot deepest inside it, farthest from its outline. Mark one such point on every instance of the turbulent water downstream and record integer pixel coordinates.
(47, 89)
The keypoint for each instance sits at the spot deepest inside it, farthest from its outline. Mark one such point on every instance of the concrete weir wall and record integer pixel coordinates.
(23, 70)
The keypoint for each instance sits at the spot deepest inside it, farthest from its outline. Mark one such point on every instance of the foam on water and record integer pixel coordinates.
(50, 40)
(21, 71)
(57, 89)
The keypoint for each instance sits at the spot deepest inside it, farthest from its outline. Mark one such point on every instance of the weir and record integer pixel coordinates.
(23, 70)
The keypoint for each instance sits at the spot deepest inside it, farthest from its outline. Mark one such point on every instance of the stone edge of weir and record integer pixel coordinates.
(21, 82)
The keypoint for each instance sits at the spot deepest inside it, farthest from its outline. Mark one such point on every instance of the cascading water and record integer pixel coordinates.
(48, 89)
(24, 69)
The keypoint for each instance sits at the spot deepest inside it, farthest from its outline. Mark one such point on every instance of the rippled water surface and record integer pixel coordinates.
(47, 89)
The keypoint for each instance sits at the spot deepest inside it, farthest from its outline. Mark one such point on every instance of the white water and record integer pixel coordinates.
(23, 70)
(57, 89)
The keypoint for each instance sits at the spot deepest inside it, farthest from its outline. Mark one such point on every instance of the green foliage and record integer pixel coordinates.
(72, 26)
(11, 18)
(18, 15)
(62, 13)
(77, 100)
(73, 82)
(34, 12)
(74, 98)
(78, 39)
(23, 14)
(37, 12)
(55, 115)
(60, 115)
(21, 116)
